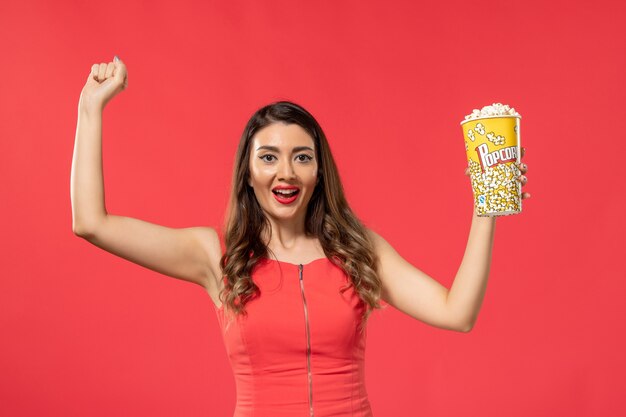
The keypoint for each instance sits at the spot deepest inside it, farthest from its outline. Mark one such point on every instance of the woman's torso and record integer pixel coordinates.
(299, 352)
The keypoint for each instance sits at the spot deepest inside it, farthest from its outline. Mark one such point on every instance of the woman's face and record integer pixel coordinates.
(283, 156)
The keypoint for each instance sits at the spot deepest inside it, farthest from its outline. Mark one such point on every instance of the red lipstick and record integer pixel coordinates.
(285, 194)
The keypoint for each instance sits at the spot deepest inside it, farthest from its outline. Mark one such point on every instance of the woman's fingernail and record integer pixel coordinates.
(116, 58)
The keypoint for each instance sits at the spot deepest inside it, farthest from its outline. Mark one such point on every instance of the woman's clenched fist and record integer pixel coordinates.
(105, 81)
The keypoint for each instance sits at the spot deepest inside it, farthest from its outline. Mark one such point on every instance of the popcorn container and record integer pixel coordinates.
(493, 149)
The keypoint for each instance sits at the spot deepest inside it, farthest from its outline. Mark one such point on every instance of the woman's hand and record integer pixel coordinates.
(105, 81)
(523, 168)
(522, 178)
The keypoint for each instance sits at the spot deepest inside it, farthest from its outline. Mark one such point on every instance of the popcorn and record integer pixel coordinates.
(496, 109)
(493, 187)
(496, 140)
(492, 147)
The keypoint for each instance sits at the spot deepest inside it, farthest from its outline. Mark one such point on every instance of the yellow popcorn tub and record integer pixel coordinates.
(493, 152)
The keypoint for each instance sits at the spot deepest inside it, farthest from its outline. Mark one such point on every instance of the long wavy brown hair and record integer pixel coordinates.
(328, 218)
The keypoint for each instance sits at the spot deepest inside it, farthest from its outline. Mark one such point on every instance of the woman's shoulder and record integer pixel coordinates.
(376, 239)
(382, 248)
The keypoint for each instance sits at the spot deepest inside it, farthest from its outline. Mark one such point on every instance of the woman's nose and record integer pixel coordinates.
(285, 169)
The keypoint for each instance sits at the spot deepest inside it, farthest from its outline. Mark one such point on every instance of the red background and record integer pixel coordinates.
(87, 333)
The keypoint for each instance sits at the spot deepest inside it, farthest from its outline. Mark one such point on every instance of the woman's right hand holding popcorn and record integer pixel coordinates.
(105, 81)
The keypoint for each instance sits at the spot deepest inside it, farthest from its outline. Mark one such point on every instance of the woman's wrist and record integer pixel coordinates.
(483, 219)
(88, 107)
(90, 110)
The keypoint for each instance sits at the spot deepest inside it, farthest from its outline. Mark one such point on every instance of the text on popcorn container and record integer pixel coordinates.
(488, 159)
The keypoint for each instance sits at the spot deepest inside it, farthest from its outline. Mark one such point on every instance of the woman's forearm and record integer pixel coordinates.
(87, 183)
(468, 289)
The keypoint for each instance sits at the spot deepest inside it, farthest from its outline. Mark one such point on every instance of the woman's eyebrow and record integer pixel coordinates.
(294, 150)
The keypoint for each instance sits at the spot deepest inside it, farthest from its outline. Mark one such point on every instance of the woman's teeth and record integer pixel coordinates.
(286, 193)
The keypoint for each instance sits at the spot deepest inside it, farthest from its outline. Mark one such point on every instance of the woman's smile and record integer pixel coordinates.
(286, 195)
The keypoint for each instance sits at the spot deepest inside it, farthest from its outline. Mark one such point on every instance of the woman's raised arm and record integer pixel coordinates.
(415, 293)
(191, 254)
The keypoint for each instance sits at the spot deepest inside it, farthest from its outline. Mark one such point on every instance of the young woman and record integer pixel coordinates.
(300, 273)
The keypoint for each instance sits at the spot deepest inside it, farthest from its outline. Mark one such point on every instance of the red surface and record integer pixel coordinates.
(86, 333)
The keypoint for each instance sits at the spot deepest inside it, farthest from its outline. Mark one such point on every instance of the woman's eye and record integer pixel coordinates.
(301, 158)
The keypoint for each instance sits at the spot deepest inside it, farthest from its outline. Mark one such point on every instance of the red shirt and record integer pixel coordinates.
(299, 351)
